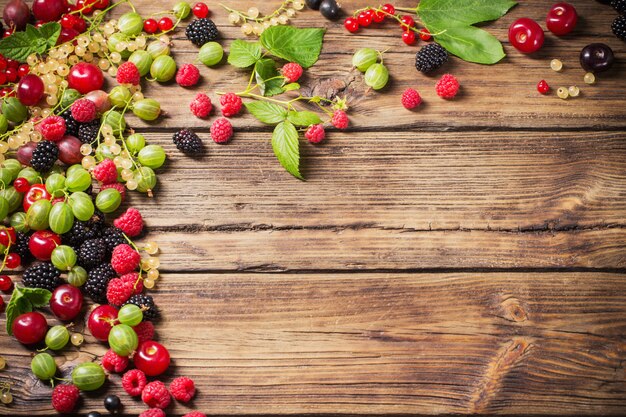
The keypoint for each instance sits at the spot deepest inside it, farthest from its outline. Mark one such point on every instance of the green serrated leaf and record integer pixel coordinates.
(291, 87)
(472, 44)
(294, 44)
(304, 118)
(32, 32)
(50, 32)
(17, 46)
(269, 113)
(244, 54)
(16, 306)
(447, 13)
(267, 77)
(287, 147)
(38, 297)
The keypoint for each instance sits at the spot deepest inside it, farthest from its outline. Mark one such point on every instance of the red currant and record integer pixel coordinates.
(3, 78)
(364, 19)
(85, 5)
(408, 37)
(13, 260)
(152, 358)
(8, 32)
(150, 26)
(165, 23)
(67, 21)
(425, 35)
(30, 89)
(379, 17)
(526, 35)
(21, 185)
(6, 284)
(101, 321)
(7, 236)
(407, 22)
(23, 70)
(42, 243)
(1, 304)
(543, 87)
(200, 10)
(389, 9)
(101, 4)
(562, 19)
(80, 25)
(351, 24)
(11, 74)
(66, 302)
(13, 63)
(3, 63)
(30, 328)
(67, 35)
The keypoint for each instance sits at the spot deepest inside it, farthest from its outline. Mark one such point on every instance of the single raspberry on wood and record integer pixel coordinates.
(315, 133)
(64, 398)
(292, 72)
(125, 259)
(156, 395)
(153, 412)
(133, 382)
(84, 111)
(52, 128)
(221, 130)
(447, 87)
(119, 291)
(128, 73)
(113, 362)
(130, 222)
(201, 105)
(340, 119)
(411, 99)
(105, 172)
(145, 331)
(188, 75)
(183, 389)
(231, 104)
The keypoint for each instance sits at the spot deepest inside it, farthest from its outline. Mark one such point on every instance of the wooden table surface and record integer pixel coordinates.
(468, 257)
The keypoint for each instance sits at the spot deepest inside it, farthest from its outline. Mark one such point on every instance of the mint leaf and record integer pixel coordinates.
(304, 118)
(472, 44)
(286, 147)
(50, 32)
(38, 297)
(293, 44)
(269, 113)
(17, 46)
(244, 54)
(32, 32)
(267, 77)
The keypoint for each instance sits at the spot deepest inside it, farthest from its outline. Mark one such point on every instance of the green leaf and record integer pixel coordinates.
(50, 32)
(244, 54)
(269, 113)
(38, 297)
(304, 118)
(32, 32)
(291, 87)
(16, 306)
(286, 147)
(267, 77)
(293, 44)
(472, 44)
(17, 46)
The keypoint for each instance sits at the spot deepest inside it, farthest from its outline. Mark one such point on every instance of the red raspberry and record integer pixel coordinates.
(145, 331)
(447, 87)
(125, 259)
(411, 99)
(84, 110)
(128, 73)
(118, 291)
(132, 278)
(119, 187)
(340, 119)
(231, 104)
(52, 128)
(183, 389)
(105, 172)
(156, 395)
(201, 105)
(153, 412)
(133, 382)
(130, 222)
(64, 398)
(187, 75)
(195, 414)
(113, 362)
(221, 130)
(292, 72)
(315, 133)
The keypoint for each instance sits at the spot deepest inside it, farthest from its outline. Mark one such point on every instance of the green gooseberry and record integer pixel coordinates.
(364, 58)
(377, 76)
(211, 53)
(163, 68)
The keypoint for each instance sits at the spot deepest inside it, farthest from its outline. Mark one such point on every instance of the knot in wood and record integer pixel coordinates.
(513, 310)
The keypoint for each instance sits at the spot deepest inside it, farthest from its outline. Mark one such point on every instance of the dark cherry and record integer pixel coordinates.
(597, 57)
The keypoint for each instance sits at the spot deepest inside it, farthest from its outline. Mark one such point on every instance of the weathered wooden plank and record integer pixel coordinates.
(380, 344)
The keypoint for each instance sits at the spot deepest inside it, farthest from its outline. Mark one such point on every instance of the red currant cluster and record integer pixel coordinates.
(11, 72)
(365, 17)
(164, 24)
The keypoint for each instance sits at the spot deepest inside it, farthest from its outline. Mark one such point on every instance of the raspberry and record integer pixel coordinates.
(84, 111)
(130, 222)
(119, 187)
(315, 133)
(195, 414)
(156, 395)
(128, 73)
(292, 72)
(113, 362)
(187, 75)
(105, 172)
(52, 128)
(132, 278)
(221, 130)
(447, 87)
(118, 291)
(231, 104)
(411, 99)
(340, 119)
(183, 389)
(133, 382)
(125, 259)
(153, 412)
(201, 105)
(64, 398)
(145, 331)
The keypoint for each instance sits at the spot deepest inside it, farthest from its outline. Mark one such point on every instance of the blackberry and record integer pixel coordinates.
(619, 6)
(88, 132)
(619, 27)
(430, 57)
(43, 275)
(151, 311)
(187, 142)
(112, 236)
(97, 282)
(92, 253)
(201, 31)
(80, 232)
(21, 247)
(97, 221)
(71, 125)
(44, 156)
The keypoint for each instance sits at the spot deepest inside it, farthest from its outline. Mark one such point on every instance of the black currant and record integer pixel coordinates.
(330, 9)
(313, 4)
(597, 57)
(112, 403)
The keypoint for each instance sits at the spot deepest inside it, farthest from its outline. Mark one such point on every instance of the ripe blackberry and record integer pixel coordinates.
(71, 125)
(430, 57)
(619, 27)
(44, 156)
(88, 132)
(42, 275)
(80, 232)
(92, 253)
(97, 282)
(97, 221)
(201, 31)
(619, 6)
(187, 142)
(112, 236)
(21, 247)
(151, 311)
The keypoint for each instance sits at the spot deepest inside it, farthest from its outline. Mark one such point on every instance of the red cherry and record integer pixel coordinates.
(425, 35)
(6, 284)
(48, 10)
(11, 74)
(365, 19)
(543, 87)
(30, 89)
(150, 26)
(42, 243)
(35, 192)
(389, 9)
(165, 23)
(21, 185)
(85, 77)
(526, 35)
(562, 19)
(101, 321)
(152, 358)
(30, 328)
(13, 260)
(200, 10)
(408, 37)
(351, 24)
(407, 22)
(66, 302)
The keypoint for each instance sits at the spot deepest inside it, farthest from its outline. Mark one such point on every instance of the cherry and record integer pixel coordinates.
(30, 328)
(365, 19)
(425, 34)
(526, 35)
(66, 302)
(150, 25)
(200, 10)
(152, 358)
(389, 9)
(6, 284)
(13, 260)
(42, 243)
(30, 90)
(165, 23)
(49, 10)
(408, 37)
(85, 77)
(101, 321)
(562, 19)
(35, 192)
(407, 22)
(351, 24)
(597, 57)
(21, 185)
(543, 87)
